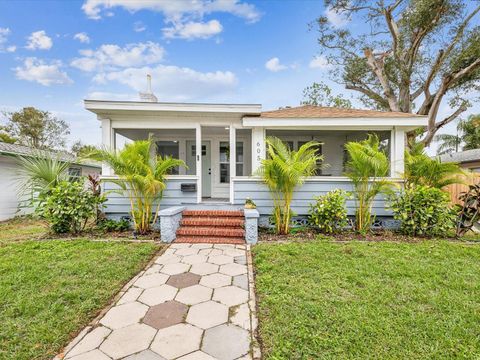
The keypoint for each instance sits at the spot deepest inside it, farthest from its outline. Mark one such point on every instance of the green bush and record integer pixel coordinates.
(68, 207)
(329, 212)
(423, 211)
(109, 225)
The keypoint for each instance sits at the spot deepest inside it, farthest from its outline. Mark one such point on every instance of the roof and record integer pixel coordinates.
(462, 156)
(22, 150)
(312, 111)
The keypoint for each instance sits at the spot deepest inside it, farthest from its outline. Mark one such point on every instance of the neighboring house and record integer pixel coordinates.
(224, 144)
(469, 159)
(10, 178)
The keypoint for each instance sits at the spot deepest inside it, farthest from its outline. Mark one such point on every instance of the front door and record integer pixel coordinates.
(206, 165)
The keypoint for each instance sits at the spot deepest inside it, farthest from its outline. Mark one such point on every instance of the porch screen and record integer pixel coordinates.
(169, 148)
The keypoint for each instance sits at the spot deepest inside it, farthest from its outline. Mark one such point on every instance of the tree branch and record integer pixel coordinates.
(370, 93)
(431, 131)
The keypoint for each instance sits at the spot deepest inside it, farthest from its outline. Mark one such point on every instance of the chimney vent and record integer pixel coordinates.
(148, 96)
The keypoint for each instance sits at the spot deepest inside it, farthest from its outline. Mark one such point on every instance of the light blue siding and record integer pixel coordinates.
(303, 196)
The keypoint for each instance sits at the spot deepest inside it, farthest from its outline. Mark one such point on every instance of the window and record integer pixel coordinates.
(225, 160)
(168, 148)
(74, 173)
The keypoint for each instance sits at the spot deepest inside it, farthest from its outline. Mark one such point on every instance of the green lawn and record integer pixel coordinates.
(325, 300)
(50, 289)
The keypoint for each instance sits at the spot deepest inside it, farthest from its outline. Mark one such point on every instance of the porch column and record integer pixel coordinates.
(258, 147)
(233, 159)
(198, 155)
(108, 142)
(397, 152)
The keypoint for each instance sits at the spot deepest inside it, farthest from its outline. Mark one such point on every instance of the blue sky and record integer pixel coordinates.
(54, 54)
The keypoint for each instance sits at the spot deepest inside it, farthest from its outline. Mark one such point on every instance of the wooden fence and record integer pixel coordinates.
(456, 189)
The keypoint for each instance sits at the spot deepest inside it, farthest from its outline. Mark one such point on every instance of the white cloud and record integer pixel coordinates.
(274, 65)
(319, 62)
(11, 48)
(82, 37)
(138, 26)
(103, 95)
(110, 56)
(192, 30)
(338, 20)
(37, 70)
(39, 40)
(4, 32)
(173, 83)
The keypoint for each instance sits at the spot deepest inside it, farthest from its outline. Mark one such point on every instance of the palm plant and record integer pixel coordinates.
(468, 135)
(141, 178)
(367, 167)
(282, 171)
(421, 169)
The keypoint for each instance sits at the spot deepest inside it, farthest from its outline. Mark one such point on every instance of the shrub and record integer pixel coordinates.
(329, 212)
(423, 211)
(469, 214)
(69, 206)
(109, 225)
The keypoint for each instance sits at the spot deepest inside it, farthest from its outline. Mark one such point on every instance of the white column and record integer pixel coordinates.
(198, 155)
(397, 152)
(108, 142)
(233, 159)
(258, 147)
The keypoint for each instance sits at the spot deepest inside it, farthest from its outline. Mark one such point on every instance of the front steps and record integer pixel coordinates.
(211, 227)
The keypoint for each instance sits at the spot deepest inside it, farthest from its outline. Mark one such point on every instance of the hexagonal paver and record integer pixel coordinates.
(194, 259)
(128, 340)
(167, 259)
(184, 280)
(226, 342)
(204, 269)
(210, 252)
(230, 295)
(220, 259)
(131, 295)
(197, 355)
(240, 316)
(153, 269)
(90, 341)
(224, 246)
(242, 260)
(180, 245)
(216, 280)
(187, 251)
(177, 340)
(233, 269)
(207, 314)
(91, 355)
(174, 269)
(241, 281)
(158, 295)
(202, 246)
(124, 315)
(194, 294)
(234, 252)
(148, 281)
(164, 315)
(144, 355)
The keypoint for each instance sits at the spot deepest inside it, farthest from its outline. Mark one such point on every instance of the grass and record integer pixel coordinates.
(21, 228)
(50, 289)
(325, 300)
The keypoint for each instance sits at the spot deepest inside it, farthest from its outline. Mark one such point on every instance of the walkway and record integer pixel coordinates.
(193, 303)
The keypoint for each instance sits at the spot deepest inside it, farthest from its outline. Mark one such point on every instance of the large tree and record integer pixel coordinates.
(410, 56)
(466, 138)
(36, 128)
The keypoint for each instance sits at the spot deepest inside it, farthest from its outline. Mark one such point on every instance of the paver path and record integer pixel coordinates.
(193, 303)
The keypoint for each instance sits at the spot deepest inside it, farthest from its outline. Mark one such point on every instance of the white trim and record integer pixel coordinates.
(233, 159)
(258, 147)
(168, 177)
(315, 179)
(397, 152)
(108, 140)
(198, 150)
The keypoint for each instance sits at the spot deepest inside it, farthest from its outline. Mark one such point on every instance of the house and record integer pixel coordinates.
(468, 159)
(10, 177)
(224, 144)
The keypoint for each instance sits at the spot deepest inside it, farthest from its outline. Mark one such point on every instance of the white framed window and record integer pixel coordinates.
(224, 160)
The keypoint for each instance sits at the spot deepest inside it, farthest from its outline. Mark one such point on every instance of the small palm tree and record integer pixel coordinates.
(367, 167)
(283, 171)
(466, 138)
(141, 178)
(421, 169)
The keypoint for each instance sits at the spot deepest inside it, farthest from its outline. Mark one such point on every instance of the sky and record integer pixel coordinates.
(55, 54)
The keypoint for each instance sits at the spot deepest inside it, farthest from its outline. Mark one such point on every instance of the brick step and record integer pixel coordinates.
(210, 231)
(212, 221)
(210, 240)
(214, 213)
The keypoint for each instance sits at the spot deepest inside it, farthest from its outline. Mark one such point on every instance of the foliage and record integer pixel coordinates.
(36, 128)
(423, 211)
(469, 214)
(94, 185)
(421, 169)
(468, 135)
(320, 94)
(367, 167)
(329, 212)
(68, 207)
(109, 225)
(411, 55)
(250, 204)
(141, 178)
(82, 150)
(4, 137)
(282, 171)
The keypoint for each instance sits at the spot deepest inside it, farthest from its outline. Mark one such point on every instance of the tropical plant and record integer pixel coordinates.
(141, 177)
(282, 171)
(109, 225)
(329, 212)
(423, 211)
(467, 137)
(469, 214)
(367, 167)
(421, 169)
